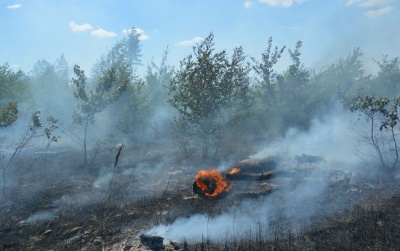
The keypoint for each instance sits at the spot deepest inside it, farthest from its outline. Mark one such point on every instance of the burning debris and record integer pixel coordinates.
(210, 183)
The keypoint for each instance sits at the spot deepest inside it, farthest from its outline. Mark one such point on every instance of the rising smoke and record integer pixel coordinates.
(329, 137)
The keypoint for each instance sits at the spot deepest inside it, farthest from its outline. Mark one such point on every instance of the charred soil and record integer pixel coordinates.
(110, 209)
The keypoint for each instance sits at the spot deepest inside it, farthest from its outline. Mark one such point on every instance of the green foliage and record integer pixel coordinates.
(36, 124)
(53, 125)
(108, 89)
(36, 120)
(281, 98)
(387, 81)
(296, 75)
(237, 110)
(9, 115)
(13, 85)
(13, 88)
(369, 105)
(123, 57)
(264, 70)
(157, 80)
(294, 91)
(206, 83)
(130, 109)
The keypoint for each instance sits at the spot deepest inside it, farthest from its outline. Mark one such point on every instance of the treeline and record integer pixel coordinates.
(216, 103)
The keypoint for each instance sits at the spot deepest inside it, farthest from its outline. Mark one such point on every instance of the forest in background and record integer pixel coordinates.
(206, 107)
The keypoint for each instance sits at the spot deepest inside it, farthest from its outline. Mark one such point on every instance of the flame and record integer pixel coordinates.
(234, 170)
(211, 182)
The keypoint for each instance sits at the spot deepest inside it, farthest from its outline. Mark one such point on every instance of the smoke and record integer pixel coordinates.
(247, 216)
(329, 137)
(38, 218)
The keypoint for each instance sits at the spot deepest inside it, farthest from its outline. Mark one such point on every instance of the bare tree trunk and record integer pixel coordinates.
(375, 143)
(85, 141)
(395, 149)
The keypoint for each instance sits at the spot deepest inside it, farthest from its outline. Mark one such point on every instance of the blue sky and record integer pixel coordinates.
(32, 30)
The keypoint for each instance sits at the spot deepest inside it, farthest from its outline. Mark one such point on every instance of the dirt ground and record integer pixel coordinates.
(104, 208)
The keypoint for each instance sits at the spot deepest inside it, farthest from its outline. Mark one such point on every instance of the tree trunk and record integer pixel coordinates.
(85, 141)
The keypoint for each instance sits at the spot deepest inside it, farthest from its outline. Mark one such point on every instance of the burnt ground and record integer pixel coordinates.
(54, 203)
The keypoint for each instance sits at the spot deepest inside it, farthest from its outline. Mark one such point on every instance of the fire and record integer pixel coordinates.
(211, 183)
(234, 170)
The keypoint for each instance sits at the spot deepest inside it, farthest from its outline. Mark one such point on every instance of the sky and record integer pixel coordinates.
(32, 30)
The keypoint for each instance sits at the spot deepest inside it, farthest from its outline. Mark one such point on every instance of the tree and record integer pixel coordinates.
(9, 114)
(62, 68)
(35, 129)
(157, 80)
(107, 90)
(238, 115)
(265, 90)
(387, 81)
(13, 85)
(382, 114)
(265, 70)
(13, 88)
(131, 109)
(347, 76)
(50, 84)
(200, 90)
(125, 55)
(292, 93)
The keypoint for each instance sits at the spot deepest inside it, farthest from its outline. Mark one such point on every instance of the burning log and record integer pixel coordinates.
(210, 183)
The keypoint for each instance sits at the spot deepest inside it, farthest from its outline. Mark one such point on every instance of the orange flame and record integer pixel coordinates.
(211, 182)
(234, 170)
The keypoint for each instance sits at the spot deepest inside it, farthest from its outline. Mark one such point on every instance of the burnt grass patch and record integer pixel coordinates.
(68, 212)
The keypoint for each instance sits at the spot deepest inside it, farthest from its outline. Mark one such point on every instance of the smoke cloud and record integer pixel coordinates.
(329, 137)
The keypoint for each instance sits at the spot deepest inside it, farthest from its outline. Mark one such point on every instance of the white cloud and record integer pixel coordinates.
(281, 3)
(140, 32)
(190, 42)
(103, 33)
(351, 2)
(248, 4)
(15, 6)
(374, 2)
(79, 27)
(367, 3)
(378, 12)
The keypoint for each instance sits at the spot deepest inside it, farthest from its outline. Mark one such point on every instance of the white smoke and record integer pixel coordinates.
(329, 138)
